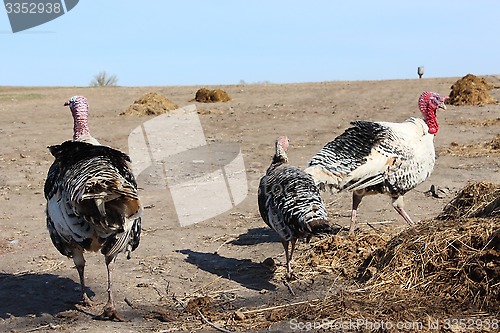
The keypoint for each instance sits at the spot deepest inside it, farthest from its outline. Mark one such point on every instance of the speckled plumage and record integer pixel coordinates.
(290, 202)
(380, 157)
(80, 174)
(92, 201)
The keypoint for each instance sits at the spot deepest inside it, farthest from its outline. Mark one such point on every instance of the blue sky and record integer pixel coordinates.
(159, 42)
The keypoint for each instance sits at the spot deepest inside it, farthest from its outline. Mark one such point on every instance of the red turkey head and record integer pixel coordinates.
(428, 104)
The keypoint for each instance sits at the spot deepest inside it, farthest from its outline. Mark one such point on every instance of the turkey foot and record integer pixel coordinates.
(109, 313)
(289, 286)
(290, 276)
(86, 301)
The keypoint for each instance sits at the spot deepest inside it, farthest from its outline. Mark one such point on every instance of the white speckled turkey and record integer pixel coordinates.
(290, 202)
(92, 201)
(380, 157)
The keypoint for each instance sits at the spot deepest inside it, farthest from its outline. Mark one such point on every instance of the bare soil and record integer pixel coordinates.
(215, 268)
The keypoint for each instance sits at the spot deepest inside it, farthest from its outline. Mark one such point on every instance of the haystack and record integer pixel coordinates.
(471, 90)
(441, 269)
(204, 95)
(481, 199)
(454, 258)
(151, 104)
(337, 255)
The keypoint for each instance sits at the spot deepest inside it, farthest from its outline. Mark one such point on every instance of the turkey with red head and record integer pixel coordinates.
(381, 157)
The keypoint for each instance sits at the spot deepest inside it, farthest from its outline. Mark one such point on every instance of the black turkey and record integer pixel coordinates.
(380, 157)
(289, 202)
(92, 201)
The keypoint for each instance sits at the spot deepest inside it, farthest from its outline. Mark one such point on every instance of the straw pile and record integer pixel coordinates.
(455, 260)
(455, 257)
(470, 90)
(441, 269)
(445, 267)
(151, 104)
(340, 256)
(480, 199)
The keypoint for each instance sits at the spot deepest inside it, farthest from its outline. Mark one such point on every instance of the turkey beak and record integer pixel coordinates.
(66, 103)
(442, 105)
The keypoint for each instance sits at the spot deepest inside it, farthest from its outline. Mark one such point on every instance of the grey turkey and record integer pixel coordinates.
(381, 157)
(290, 202)
(92, 201)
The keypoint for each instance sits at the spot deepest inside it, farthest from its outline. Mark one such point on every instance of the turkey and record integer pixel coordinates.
(92, 201)
(290, 203)
(380, 157)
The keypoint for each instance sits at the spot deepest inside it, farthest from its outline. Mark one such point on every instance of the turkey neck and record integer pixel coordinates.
(431, 122)
(81, 123)
(430, 119)
(280, 156)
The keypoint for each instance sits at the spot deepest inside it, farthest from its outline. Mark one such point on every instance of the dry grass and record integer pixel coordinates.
(455, 260)
(443, 268)
(455, 257)
(435, 271)
(337, 256)
(481, 199)
(488, 148)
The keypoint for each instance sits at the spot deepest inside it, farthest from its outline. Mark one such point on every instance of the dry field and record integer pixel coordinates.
(180, 279)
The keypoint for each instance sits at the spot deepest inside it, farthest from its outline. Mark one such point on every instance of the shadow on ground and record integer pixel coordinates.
(249, 274)
(37, 294)
(257, 236)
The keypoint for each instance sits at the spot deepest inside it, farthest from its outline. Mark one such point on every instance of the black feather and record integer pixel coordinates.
(76, 163)
(350, 149)
(291, 194)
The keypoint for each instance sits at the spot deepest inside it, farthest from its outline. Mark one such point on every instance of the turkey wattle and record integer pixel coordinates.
(381, 157)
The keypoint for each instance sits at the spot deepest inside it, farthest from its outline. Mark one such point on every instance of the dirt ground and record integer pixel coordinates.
(220, 258)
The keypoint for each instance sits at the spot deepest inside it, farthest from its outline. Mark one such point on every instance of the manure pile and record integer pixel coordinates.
(454, 258)
(471, 90)
(204, 95)
(151, 104)
(442, 269)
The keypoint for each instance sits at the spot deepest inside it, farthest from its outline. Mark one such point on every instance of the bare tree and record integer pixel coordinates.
(102, 79)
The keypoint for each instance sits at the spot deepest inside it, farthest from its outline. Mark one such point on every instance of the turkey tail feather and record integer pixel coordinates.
(119, 245)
